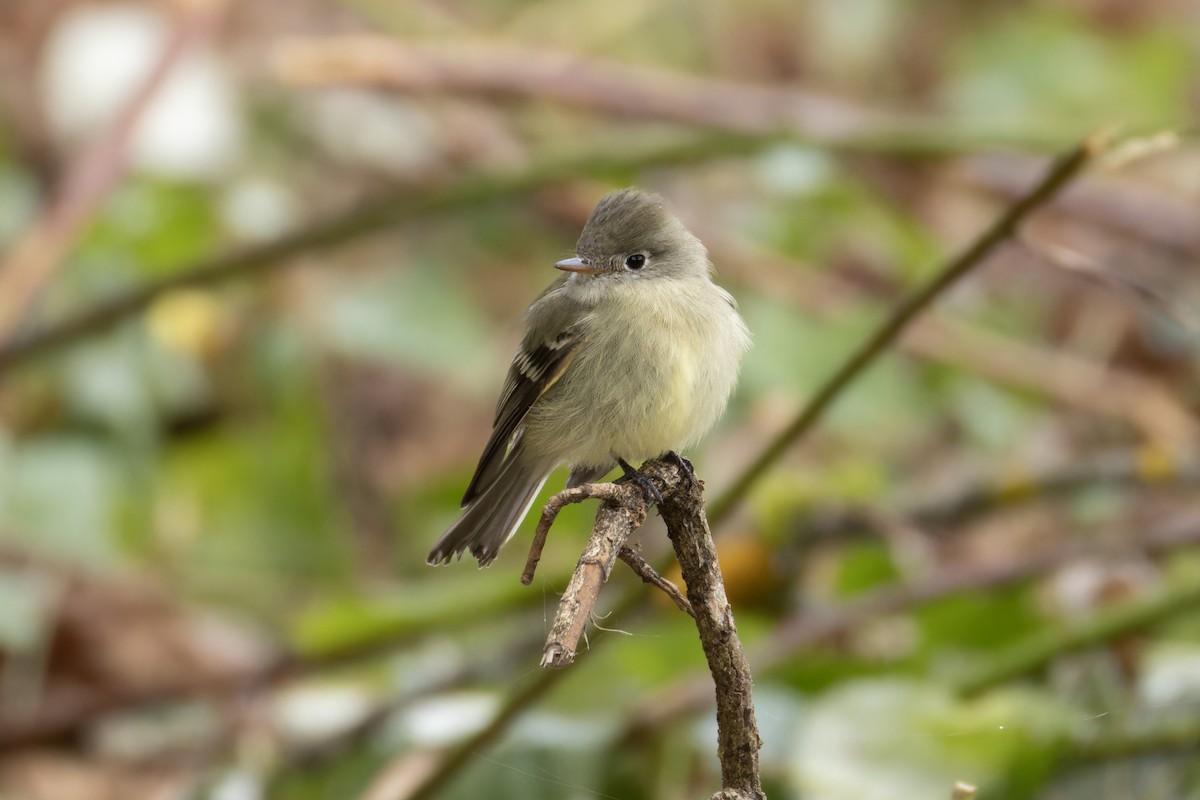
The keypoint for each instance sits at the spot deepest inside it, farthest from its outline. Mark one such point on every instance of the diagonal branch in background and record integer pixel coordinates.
(1068, 379)
(373, 216)
(1059, 175)
(39, 252)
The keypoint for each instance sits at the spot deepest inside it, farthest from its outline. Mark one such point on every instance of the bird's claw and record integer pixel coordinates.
(644, 482)
(685, 466)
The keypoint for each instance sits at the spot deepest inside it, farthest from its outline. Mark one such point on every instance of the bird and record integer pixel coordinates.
(630, 354)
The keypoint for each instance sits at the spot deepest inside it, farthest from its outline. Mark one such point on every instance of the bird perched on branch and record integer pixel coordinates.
(632, 353)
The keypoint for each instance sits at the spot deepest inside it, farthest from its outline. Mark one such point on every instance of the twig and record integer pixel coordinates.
(609, 492)
(1060, 173)
(623, 511)
(39, 252)
(738, 741)
(648, 574)
(372, 216)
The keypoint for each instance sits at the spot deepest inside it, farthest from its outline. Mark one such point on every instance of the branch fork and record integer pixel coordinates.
(623, 510)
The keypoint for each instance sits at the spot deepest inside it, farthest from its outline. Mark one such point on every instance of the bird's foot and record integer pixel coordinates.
(645, 483)
(685, 466)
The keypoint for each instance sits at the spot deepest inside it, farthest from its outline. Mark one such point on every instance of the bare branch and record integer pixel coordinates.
(738, 741)
(649, 575)
(609, 492)
(622, 512)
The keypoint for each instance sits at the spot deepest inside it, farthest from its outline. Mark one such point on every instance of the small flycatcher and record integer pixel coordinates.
(630, 354)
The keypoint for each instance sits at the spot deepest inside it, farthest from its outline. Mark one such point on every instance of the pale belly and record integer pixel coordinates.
(638, 390)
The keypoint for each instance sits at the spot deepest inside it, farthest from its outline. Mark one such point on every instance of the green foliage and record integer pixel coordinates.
(891, 738)
(1023, 67)
(862, 567)
(979, 622)
(148, 228)
(218, 451)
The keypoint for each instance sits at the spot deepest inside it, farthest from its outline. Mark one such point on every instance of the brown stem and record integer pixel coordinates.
(738, 741)
(648, 574)
(622, 512)
(604, 491)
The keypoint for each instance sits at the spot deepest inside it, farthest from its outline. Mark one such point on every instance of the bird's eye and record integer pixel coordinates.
(635, 261)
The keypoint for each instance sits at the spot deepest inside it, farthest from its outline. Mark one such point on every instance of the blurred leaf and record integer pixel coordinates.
(104, 384)
(415, 317)
(792, 352)
(863, 566)
(58, 494)
(992, 417)
(441, 600)
(18, 203)
(983, 621)
(1027, 67)
(920, 739)
(154, 225)
(26, 601)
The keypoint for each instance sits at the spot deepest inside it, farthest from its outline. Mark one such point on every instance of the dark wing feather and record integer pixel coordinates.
(536, 368)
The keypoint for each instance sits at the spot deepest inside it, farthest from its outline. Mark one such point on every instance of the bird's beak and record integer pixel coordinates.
(576, 265)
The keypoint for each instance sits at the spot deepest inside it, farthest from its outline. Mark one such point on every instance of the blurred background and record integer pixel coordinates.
(262, 266)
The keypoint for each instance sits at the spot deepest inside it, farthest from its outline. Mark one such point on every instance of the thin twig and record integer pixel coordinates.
(608, 492)
(682, 506)
(1060, 173)
(623, 511)
(642, 568)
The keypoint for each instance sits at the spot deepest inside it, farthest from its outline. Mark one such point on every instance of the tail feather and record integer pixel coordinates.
(493, 517)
